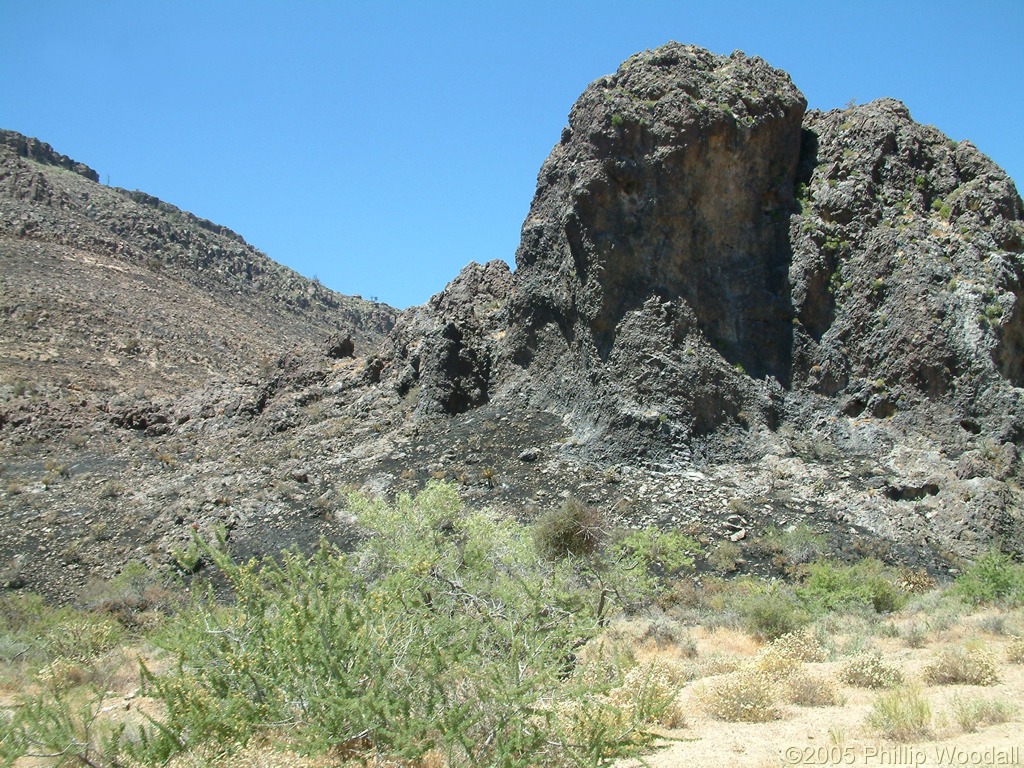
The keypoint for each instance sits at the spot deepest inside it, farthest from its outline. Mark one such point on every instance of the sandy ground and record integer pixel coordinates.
(838, 735)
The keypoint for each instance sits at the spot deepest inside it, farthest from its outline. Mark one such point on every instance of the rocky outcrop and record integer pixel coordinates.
(727, 314)
(906, 271)
(652, 274)
(41, 152)
(701, 257)
(444, 351)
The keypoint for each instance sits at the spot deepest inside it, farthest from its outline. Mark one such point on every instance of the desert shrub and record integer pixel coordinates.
(63, 674)
(648, 693)
(903, 714)
(997, 624)
(771, 611)
(83, 637)
(783, 657)
(667, 553)
(915, 634)
(795, 545)
(775, 665)
(135, 597)
(802, 645)
(915, 581)
(868, 670)
(71, 730)
(666, 634)
(747, 696)
(810, 690)
(724, 556)
(939, 609)
(717, 664)
(573, 529)
(994, 577)
(968, 666)
(831, 586)
(1015, 651)
(442, 632)
(972, 714)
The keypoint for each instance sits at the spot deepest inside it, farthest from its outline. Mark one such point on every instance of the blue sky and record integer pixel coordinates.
(383, 145)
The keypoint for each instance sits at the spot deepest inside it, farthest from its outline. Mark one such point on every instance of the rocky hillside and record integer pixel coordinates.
(112, 296)
(727, 314)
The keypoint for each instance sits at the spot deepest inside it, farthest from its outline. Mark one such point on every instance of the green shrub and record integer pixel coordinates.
(971, 714)
(795, 545)
(902, 715)
(667, 553)
(772, 613)
(915, 635)
(994, 577)
(69, 730)
(831, 586)
(724, 556)
(442, 632)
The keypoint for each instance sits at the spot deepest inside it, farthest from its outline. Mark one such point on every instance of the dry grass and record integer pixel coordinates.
(960, 665)
(902, 714)
(807, 706)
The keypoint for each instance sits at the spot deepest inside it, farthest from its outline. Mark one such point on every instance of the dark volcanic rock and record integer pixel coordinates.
(445, 349)
(697, 248)
(652, 271)
(906, 273)
(41, 152)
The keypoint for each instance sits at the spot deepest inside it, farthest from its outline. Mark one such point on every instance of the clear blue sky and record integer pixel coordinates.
(383, 145)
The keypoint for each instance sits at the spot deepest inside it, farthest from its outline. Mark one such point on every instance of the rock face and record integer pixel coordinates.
(907, 272)
(445, 349)
(655, 254)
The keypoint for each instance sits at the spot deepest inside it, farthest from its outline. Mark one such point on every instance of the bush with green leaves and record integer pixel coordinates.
(993, 577)
(441, 632)
(794, 545)
(831, 586)
(972, 713)
(72, 729)
(629, 568)
(768, 610)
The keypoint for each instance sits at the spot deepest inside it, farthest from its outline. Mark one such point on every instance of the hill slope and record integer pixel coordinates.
(108, 293)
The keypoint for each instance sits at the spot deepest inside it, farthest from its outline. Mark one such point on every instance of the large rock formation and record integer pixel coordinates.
(708, 274)
(655, 255)
(698, 247)
(906, 270)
